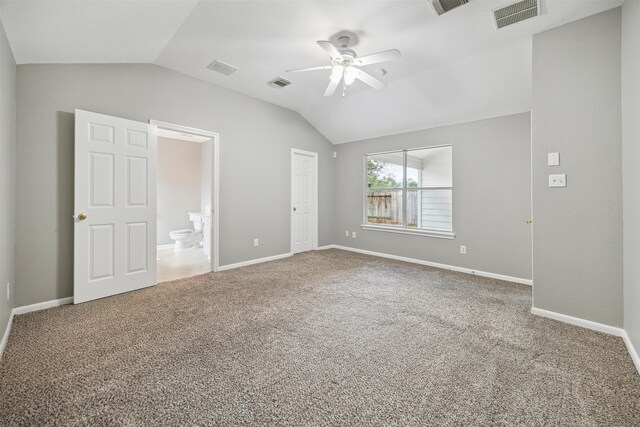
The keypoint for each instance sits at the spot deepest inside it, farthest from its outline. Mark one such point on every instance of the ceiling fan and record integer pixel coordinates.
(345, 65)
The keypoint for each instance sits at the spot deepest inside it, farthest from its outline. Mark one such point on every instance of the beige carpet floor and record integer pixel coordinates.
(322, 338)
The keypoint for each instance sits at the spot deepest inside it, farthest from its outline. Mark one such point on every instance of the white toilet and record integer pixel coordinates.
(187, 239)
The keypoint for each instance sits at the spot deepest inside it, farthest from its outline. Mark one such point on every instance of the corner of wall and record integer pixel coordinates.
(7, 183)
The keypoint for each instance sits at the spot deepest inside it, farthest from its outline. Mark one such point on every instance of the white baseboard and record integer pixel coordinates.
(167, 246)
(28, 309)
(631, 349)
(322, 248)
(576, 321)
(435, 264)
(253, 261)
(42, 305)
(5, 337)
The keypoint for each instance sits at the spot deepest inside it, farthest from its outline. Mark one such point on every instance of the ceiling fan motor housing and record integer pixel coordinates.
(348, 56)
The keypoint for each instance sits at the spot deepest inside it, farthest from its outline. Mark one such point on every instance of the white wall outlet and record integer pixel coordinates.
(463, 250)
(335, 154)
(353, 234)
(8, 291)
(558, 180)
(256, 242)
(346, 233)
(553, 159)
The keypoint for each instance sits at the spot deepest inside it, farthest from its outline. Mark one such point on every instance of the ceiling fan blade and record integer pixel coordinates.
(370, 80)
(331, 89)
(334, 81)
(299, 70)
(375, 58)
(333, 52)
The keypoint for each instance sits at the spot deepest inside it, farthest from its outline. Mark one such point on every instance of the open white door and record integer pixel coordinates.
(304, 181)
(115, 206)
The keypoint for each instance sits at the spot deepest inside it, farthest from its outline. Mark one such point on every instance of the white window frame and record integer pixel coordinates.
(403, 229)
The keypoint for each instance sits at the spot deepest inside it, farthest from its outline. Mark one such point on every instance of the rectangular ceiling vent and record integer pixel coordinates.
(443, 6)
(516, 12)
(279, 83)
(222, 68)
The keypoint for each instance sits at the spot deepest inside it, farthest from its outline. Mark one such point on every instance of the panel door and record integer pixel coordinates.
(115, 206)
(303, 175)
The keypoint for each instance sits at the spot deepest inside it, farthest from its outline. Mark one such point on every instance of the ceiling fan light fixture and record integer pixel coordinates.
(350, 75)
(337, 72)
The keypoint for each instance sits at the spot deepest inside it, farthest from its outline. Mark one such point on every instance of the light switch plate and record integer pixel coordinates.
(553, 159)
(559, 180)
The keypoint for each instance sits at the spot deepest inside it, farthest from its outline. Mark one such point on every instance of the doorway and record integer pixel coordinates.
(304, 201)
(187, 201)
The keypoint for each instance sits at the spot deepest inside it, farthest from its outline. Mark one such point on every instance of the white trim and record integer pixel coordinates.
(632, 351)
(576, 321)
(253, 261)
(415, 232)
(42, 305)
(5, 337)
(215, 188)
(28, 309)
(314, 211)
(324, 248)
(436, 264)
(167, 246)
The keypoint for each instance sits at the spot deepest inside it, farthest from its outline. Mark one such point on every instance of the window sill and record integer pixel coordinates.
(426, 233)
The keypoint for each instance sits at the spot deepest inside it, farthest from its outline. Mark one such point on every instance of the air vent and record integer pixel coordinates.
(516, 12)
(222, 68)
(443, 6)
(279, 83)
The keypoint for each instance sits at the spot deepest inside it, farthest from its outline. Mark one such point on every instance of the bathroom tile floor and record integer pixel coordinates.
(174, 265)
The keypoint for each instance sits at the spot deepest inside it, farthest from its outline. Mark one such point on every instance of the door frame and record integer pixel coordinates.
(215, 187)
(314, 198)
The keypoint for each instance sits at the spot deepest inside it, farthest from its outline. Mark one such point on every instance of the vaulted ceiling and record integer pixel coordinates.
(454, 68)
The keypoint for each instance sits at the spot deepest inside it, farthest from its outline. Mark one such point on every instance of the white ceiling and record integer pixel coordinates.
(454, 68)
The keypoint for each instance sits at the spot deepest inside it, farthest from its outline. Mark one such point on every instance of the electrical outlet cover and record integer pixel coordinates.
(558, 180)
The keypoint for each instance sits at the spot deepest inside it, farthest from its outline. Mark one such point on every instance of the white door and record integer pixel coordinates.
(115, 206)
(303, 200)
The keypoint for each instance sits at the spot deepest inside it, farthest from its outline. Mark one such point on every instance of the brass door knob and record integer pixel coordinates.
(82, 217)
(294, 209)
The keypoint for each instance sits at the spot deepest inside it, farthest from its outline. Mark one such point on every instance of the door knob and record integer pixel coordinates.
(294, 209)
(82, 217)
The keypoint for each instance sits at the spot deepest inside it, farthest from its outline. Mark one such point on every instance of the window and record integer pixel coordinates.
(410, 191)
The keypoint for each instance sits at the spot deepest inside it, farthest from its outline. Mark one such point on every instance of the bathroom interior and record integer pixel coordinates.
(184, 197)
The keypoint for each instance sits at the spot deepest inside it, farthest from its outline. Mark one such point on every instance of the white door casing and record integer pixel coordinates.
(214, 236)
(115, 206)
(304, 201)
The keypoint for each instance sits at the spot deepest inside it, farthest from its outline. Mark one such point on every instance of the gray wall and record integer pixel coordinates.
(577, 233)
(179, 181)
(255, 150)
(7, 176)
(491, 196)
(631, 166)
